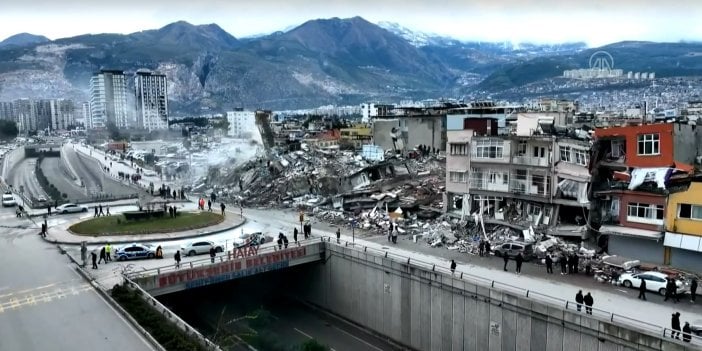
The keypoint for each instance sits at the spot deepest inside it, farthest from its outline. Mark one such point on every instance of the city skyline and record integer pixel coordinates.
(595, 22)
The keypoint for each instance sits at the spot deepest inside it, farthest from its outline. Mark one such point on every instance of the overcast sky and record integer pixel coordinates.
(596, 22)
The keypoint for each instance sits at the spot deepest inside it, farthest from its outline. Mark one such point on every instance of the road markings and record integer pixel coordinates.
(303, 333)
(35, 298)
(357, 338)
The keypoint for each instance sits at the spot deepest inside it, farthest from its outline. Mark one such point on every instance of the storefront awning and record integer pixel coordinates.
(683, 241)
(633, 232)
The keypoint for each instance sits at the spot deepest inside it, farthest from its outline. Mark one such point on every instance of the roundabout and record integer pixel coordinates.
(123, 224)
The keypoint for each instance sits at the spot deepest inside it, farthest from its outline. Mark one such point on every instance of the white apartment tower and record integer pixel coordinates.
(62, 114)
(108, 99)
(151, 90)
(242, 124)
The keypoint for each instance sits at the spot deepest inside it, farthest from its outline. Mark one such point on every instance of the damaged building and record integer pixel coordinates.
(636, 170)
(534, 176)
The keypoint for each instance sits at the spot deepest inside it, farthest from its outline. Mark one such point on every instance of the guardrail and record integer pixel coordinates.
(218, 259)
(598, 314)
(170, 315)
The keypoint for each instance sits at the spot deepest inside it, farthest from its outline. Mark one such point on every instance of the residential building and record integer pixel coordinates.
(7, 110)
(460, 117)
(519, 179)
(634, 168)
(370, 110)
(683, 228)
(242, 124)
(62, 114)
(151, 91)
(357, 135)
(324, 140)
(405, 128)
(25, 115)
(42, 108)
(108, 99)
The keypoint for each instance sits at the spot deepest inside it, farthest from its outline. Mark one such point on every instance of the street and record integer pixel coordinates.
(52, 170)
(41, 291)
(22, 176)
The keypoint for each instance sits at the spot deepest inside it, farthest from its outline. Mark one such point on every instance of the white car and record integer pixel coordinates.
(655, 281)
(200, 247)
(71, 208)
(8, 200)
(150, 173)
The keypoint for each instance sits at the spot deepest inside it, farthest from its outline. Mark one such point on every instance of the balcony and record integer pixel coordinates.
(524, 187)
(531, 161)
(488, 186)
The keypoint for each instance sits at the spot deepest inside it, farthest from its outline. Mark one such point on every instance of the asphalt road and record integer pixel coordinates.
(52, 170)
(90, 172)
(23, 174)
(46, 305)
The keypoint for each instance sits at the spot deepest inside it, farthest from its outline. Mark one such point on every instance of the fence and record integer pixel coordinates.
(598, 314)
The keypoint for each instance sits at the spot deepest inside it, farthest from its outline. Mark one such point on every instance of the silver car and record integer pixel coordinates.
(200, 247)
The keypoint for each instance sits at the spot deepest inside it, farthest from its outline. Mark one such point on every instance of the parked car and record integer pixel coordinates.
(150, 173)
(71, 208)
(200, 247)
(511, 249)
(252, 239)
(655, 281)
(696, 327)
(135, 251)
(8, 200)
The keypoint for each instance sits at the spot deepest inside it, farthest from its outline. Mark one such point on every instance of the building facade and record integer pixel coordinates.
(108, 99)
(151, 92)
(242, 124)
(683, 228)
(62, 114)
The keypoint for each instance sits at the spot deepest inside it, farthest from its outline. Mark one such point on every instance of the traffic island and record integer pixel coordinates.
(131, 224)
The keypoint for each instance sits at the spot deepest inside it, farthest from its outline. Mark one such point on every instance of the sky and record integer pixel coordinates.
(596, 22)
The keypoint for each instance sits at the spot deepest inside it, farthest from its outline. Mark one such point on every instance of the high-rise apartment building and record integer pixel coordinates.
(62, 114)
(108, 99)
(242, 124)
(151, 90)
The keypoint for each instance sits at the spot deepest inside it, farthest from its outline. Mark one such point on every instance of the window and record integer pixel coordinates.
(690, 211)
(539, 151)
(522, 148)
(581, 157)
(457, 177)
(565, 153)
(458, 149)
(649, 144)
(489, 148)
(645, 213)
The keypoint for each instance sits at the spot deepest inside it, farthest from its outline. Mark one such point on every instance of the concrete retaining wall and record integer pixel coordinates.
(427, 310)
(10, 160)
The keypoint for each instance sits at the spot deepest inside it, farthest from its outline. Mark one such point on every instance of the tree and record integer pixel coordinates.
(8, 129)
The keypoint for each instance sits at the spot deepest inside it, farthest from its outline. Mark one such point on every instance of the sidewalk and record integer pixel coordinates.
(60, 235)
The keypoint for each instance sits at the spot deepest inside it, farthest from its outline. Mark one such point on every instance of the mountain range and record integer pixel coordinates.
(324, 61)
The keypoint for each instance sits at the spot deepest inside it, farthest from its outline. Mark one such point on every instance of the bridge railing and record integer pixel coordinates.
(227, 256)
(599, 314)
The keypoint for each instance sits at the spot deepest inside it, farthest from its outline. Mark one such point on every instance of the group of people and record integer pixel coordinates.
(105, 255)
(675, 325)
(392, 233)
(484, 248)
(519, 259)
(307, 230)
(282, 240)
(587, 300)
(100, 213)
(201, 205)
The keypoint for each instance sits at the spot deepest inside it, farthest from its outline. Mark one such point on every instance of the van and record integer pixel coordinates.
(8, 200)
(512, 248)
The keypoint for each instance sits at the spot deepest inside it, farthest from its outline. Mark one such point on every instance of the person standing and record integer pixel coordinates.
(285, 241)
(549, 264)
(213, 253)
(481, 248)
(394, 237)
(487, 248)
(108, 252)
(453, 266)
(579, 299)
(101, 213)
(96, 212)
(176, 257)
(687, 332)
(93, 256)
(390, 232)
(209, 205)
(675, 325)
(520, 260)
(221, 205)
(668, 289)
(505, 257)
(338, 235)
(107, 208)
(589, 301)
(102, 255)
(693, 290)
(642, 290)
(295, 234)
(48, 210)
(564, 264)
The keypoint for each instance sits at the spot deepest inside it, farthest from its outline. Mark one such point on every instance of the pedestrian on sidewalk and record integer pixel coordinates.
(48, 210)
(295, 232)
(675, 325)
(43, 230)
(107, 208)
(96, 212)
(176, 257)
(280, 241)
(505, 257)
(390, 232)
(549, 264)
(693, 290)
(285, 241)
(520, 260)
(453, 266)
(481, 248)
(579, 299)
(687, 332)
(102, 256)
(642, 290)
(101, 213)
(563, 260)
(338, 235)
(108, 252)
(394, 237)
(588, 303)
(487, 248)
(223, 207)
(209, 205)
(213, 253)
(93, 256)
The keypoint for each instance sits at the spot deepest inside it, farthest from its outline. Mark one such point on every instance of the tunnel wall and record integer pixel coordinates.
(426, 310)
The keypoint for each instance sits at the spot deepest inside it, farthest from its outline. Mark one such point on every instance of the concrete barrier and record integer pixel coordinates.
(68, 168)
